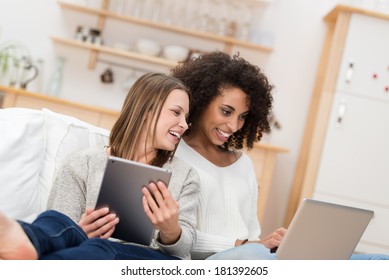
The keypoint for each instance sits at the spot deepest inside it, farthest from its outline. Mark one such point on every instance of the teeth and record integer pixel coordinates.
(175, 134)
(224, 134)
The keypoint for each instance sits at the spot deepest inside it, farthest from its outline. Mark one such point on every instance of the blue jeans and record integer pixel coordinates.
(369, 257)
(255, 251)
(56, 237)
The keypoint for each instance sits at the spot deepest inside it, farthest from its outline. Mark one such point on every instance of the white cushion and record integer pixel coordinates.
(21, 158)
(65, 135)
(34, 144)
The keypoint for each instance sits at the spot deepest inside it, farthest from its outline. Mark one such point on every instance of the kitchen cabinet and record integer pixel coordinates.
(344, 156)
(104, 14)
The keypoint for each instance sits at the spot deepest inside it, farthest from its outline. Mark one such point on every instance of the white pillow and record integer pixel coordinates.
(65, 135)
(21, 158)
(33, 145)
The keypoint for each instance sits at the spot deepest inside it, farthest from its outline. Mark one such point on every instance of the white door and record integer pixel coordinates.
(354, 167)
(355, 157)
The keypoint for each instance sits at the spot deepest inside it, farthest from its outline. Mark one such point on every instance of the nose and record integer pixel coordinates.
(183, 124)
(234, 125)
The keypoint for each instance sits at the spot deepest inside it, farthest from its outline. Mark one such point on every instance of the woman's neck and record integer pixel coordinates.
(145, 157)
(218, 155)
(144, 150)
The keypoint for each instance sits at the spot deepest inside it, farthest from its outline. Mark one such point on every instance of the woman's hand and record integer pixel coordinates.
(274, 239)
(271, 241)
(98, 223)
(162, 210)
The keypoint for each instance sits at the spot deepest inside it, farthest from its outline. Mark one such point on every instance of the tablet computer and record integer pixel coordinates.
(121, 192)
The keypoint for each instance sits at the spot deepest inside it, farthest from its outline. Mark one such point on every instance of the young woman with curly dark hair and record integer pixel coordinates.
(231, 108)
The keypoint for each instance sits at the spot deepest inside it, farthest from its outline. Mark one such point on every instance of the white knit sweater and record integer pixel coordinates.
(228, 201)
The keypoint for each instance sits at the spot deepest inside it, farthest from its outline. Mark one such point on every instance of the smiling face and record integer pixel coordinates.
(225, 115)
(172, 120)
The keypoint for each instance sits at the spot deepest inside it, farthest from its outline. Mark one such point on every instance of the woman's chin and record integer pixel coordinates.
(168, 147)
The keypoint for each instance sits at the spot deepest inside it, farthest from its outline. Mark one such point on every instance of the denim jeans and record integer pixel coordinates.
(56, 237)
(369, 257)
(254, 251)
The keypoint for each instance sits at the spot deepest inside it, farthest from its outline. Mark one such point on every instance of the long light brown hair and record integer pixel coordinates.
(147, 95)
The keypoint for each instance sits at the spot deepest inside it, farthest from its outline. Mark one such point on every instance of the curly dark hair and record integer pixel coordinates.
(210, 73)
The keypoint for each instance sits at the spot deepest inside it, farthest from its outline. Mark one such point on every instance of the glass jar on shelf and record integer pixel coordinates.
(54, 86)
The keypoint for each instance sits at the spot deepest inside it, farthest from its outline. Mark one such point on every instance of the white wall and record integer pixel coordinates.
(299, 33)
(292, 67)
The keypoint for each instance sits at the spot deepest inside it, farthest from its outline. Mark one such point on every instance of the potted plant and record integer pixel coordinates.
(11, 54)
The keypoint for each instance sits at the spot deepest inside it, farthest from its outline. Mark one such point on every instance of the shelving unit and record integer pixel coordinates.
(104, 14)
(113, 51)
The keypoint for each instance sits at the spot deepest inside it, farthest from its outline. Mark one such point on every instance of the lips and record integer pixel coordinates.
(223, 136)
(175, 134)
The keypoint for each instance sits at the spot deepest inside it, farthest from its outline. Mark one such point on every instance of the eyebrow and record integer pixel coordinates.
(230, 107)
(233, 109)
(178, 106)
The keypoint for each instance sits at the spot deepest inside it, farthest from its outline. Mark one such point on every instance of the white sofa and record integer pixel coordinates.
(33, 144)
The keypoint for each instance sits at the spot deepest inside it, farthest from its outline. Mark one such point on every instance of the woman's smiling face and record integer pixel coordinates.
(172, 121)
(225, 115)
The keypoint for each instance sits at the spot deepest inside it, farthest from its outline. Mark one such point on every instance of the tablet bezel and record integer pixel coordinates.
(121, 192)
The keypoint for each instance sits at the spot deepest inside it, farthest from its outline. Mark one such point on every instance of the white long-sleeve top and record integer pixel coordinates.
(228, 201)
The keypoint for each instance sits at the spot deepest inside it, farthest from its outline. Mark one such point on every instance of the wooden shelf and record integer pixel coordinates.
(114, 51)
(265, 146)
(333, 14)
(228, 41)
(15, 97)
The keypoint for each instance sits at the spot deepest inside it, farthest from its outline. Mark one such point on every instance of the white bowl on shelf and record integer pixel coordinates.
(122, 46)
(175, 52)
(147, 46)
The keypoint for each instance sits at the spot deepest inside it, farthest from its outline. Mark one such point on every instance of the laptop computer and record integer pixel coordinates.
(121, 191)
(323, 231)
